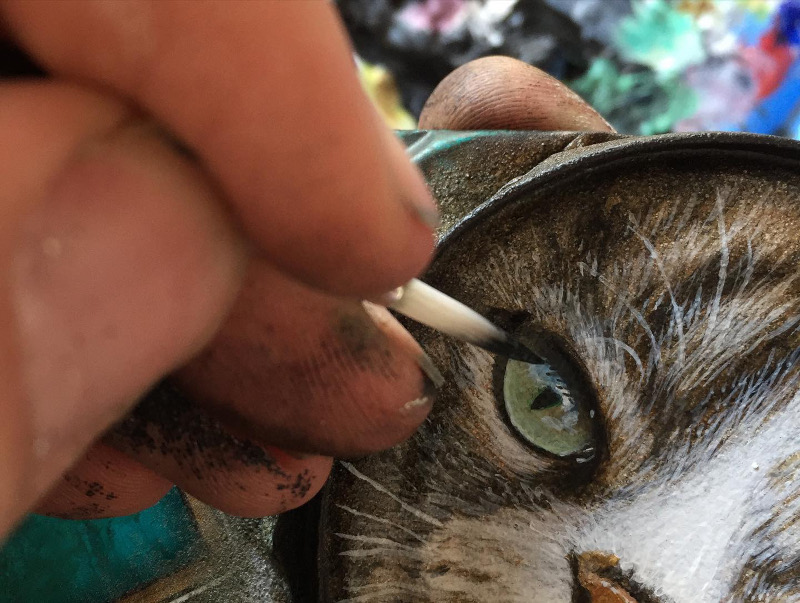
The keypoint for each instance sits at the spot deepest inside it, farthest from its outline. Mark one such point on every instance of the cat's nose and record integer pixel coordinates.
(599, 579)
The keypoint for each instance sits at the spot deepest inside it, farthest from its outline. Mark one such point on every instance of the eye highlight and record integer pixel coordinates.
(549, 404)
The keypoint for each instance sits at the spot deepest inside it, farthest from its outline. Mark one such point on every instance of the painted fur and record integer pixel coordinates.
(674, 287)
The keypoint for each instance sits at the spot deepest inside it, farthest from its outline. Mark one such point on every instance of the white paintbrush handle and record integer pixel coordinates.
(431, 307)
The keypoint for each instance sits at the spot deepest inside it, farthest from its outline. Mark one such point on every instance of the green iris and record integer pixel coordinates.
(542, 409)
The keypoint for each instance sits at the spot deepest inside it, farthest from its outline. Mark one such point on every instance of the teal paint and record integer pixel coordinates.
(48, 560)
(434, 142)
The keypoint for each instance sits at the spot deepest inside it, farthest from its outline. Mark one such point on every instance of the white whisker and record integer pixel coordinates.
(711, 320)
(676, 309)
(374, 540)
(415, 512)
(382, 521)
(634, 312)
(382, 552)
(624, 346)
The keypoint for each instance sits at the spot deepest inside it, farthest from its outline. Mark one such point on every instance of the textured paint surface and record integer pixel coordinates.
(648, 66)
(668, 274)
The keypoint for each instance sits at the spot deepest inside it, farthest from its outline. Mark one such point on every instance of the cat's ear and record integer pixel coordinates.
(501, 93)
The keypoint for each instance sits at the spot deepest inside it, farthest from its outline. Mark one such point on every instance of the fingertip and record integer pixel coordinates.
(307, 371)
(503, 93)
(103, 483)
(257, 497)
(389, 426)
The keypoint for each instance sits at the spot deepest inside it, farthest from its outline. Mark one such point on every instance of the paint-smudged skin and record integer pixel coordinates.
(672, 288)
(166, 424)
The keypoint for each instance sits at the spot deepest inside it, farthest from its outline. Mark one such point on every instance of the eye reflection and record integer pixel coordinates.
(548, 408)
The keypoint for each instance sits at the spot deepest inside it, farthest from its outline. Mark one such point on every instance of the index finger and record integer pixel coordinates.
(265, 94)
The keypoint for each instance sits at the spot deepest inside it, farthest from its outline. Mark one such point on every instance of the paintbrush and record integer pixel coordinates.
(431, 307)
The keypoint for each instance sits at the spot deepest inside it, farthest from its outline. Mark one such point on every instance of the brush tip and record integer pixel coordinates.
(513, 349)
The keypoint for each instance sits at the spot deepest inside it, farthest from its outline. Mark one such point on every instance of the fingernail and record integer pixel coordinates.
(388, 323)
(410, 184)
(431, 381)
(432, 378)
(419, 200)
(416, 404)
(388, 299)
(425, 210)
(431, 372)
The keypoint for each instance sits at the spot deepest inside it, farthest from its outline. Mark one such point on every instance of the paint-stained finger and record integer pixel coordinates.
(501, 93)
(175, 438)
(307, 371)
(104, 483)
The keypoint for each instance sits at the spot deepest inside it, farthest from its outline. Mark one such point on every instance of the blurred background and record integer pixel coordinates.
(649, 66)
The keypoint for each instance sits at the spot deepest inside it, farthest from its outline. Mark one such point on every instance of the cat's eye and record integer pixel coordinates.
(548, 406)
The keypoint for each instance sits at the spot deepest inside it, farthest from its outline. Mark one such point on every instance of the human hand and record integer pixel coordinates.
(125, 256)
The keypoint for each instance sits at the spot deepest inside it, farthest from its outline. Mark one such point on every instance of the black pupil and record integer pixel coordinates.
(547, 398)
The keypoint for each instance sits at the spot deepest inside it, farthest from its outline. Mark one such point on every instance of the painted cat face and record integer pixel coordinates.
(656, 455)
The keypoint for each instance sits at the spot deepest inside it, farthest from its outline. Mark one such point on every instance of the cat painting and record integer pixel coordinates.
(654, 455)
(651, 455)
